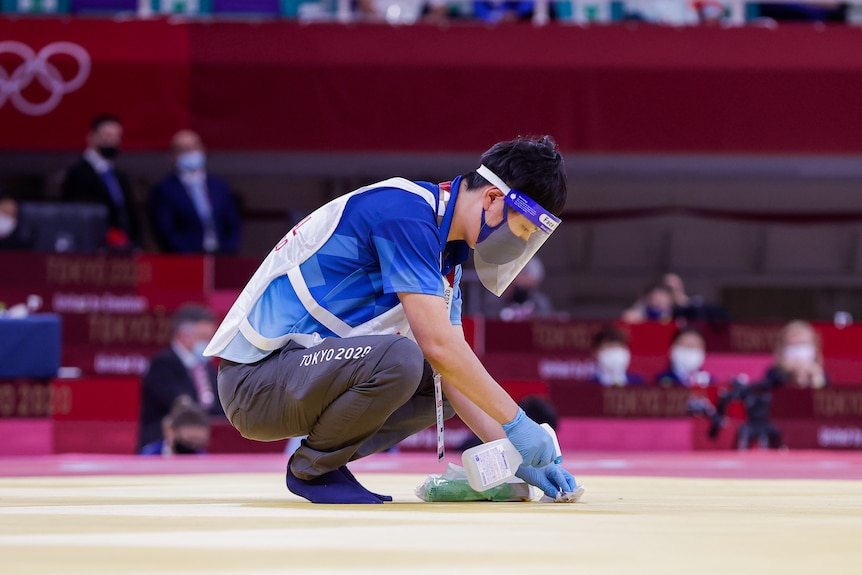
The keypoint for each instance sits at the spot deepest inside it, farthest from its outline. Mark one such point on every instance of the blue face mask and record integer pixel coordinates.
(191, 161)
(497, 244)
(198, 351)
(487, 230)
(654, 313)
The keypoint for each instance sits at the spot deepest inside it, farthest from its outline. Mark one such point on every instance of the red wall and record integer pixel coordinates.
(325, 87)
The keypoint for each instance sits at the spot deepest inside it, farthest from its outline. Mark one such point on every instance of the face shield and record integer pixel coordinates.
(502, 251)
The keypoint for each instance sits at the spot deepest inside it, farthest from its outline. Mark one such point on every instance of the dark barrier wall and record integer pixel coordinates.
(286, 86)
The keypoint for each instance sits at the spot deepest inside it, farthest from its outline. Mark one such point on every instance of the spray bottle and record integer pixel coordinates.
(493, 463)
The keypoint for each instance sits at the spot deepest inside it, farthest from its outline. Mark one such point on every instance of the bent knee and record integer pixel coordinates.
(405, 356)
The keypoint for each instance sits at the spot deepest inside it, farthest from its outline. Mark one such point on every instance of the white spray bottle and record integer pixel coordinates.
(490, 464)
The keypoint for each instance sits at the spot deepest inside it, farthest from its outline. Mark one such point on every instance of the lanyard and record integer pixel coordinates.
(448, 293)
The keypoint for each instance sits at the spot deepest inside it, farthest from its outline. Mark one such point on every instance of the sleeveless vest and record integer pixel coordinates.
(299, 244)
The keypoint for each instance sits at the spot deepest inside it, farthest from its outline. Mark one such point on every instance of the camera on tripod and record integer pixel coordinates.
(757, 400)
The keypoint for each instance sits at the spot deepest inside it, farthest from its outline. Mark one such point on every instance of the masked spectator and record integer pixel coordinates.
(612, 357)
(190, 210)
(186, 430)
(685, 357)
(9, 231)
(180, 369)
(523, 299)
(655, 304)
(94, 179)
(798, 358)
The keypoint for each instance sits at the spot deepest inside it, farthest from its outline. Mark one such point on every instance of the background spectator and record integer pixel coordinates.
(524, 298)
(94, 179)
(502, 10)
(612, 356)
(9, 239)
(692, 307)
(186, 430)
(685, 359)
(686, 356)
(677, 289)
(798, 358)
(180, 369)
(655, 304)
(190, 210)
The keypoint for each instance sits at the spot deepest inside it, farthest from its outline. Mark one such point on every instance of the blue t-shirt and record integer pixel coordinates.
(387, 242)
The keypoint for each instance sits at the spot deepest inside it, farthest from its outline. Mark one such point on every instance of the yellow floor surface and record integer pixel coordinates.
(249, 523)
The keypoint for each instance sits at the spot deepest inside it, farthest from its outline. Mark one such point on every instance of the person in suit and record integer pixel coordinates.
(180, 369)
(93, 179)
(190, 210)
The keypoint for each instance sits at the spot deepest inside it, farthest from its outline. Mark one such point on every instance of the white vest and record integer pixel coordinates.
(295, 247)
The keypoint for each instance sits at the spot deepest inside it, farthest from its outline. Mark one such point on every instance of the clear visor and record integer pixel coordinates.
(525, 219)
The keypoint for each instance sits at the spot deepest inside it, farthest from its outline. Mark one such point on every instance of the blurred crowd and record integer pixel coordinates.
(666, 12)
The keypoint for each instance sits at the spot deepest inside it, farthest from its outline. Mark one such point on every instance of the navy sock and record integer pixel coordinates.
(343, 469)
(331, 487)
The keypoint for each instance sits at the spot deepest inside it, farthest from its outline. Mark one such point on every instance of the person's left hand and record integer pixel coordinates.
(551, 479)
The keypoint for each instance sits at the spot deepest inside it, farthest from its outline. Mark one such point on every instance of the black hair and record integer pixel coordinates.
(530, 164)
(610, 334)
(539, 409)
(687, 329)
(100, 119)
(191, 313)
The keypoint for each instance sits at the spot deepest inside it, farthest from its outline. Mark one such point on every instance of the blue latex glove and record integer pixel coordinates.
(532, 442)
(551, 478)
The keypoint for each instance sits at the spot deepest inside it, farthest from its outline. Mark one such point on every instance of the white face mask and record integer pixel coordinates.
(686, 360)
(803, 353)
(7, 225)
(614, 361)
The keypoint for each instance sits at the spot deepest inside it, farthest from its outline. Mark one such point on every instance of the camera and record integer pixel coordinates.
(757, 400)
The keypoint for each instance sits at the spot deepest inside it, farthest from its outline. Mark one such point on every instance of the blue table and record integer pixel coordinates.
(31, 346)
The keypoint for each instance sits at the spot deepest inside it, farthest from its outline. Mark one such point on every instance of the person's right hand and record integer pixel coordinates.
(533, 443)
(552, 479)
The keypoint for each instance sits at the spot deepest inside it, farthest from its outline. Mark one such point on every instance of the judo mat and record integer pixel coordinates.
(693, 513)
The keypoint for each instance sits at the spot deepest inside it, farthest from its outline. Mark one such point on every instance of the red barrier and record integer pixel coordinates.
(560, 349)
(288, 86)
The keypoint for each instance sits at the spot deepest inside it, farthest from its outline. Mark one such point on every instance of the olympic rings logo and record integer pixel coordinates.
(38, 67)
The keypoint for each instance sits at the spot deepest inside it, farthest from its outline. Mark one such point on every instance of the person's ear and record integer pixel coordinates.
(490, 195)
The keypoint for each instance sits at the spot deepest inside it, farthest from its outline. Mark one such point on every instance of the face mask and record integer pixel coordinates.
(108, 152)
(498, 245)
(487, 230)
(198, 351)
(686, 359)
(7, 225)
(614, 360)
(653, 313)
(800, 353)
(191, 161)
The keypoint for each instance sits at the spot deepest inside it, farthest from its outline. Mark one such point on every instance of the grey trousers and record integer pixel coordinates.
(352, 397)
